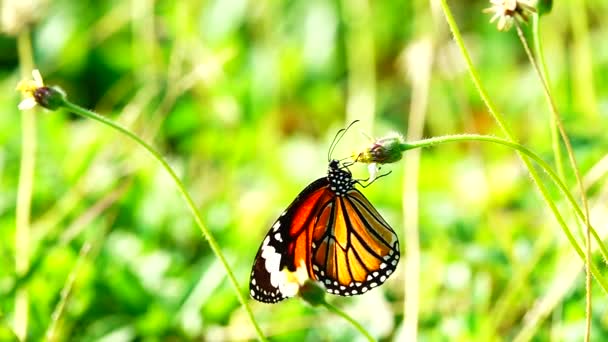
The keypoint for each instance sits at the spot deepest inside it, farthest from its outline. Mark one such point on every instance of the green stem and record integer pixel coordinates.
(24, 191)
(570, 151)
(531, 155)
(501, 122)
(182, 189)
(65, 293)
(349, 319)
(543, 68)
(581, 54)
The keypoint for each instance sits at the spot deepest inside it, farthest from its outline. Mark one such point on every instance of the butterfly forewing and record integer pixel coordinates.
(286, 244)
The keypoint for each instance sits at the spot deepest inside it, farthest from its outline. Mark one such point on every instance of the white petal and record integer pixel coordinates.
(37, 78)
(27, 103)
(301, 273)
(372, 168)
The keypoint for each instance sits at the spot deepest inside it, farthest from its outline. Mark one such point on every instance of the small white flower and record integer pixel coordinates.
(372, 168)
(290, 282)
(28, 88)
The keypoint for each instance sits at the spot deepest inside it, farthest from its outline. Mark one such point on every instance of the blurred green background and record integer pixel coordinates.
(243, 98)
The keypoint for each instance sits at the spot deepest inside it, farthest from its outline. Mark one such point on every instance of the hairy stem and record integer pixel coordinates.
(501, 122)
(575, 169)
(182, 189)
(344, 315)
(553, 125)
(532, 156)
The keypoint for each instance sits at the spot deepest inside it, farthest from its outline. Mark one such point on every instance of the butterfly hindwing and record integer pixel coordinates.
(353, 249)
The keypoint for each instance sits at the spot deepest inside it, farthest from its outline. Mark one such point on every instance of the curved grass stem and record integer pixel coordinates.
(538, 47)
(531, 156)
(499, 118)
(558, 122)
(65, 293)
(344, 315)
(182, 189)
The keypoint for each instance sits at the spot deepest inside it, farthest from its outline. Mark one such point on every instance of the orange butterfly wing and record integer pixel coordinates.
(353, 248)
(287, 244)
(335, 232)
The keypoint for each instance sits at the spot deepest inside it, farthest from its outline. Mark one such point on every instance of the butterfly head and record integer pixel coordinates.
(340, 179)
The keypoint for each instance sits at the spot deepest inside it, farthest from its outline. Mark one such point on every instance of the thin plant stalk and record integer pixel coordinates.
(65, 293)
(420, 60)
(538, 47)
(24, 191)
(582, 60)
(501, 123)
(531, 156)
(505, 305)
(575, 169)
(182, 189)
(344, 315)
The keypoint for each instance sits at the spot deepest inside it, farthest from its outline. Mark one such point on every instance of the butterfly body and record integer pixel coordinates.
(333, 231)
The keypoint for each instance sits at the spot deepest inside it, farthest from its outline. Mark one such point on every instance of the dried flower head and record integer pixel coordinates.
(507, 11)
(15, 15)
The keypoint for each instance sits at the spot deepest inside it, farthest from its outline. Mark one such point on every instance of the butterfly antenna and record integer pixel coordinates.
(333, 143)
(339, 135)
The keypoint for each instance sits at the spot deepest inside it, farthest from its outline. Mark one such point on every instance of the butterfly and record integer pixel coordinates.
(332, 230)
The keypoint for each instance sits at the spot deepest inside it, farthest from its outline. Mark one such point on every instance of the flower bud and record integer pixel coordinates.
(312, 292)
(49, 97)
(385, 150)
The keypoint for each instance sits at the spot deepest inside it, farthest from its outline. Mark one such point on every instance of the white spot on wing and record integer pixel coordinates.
(277, 224)
(272, 262)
